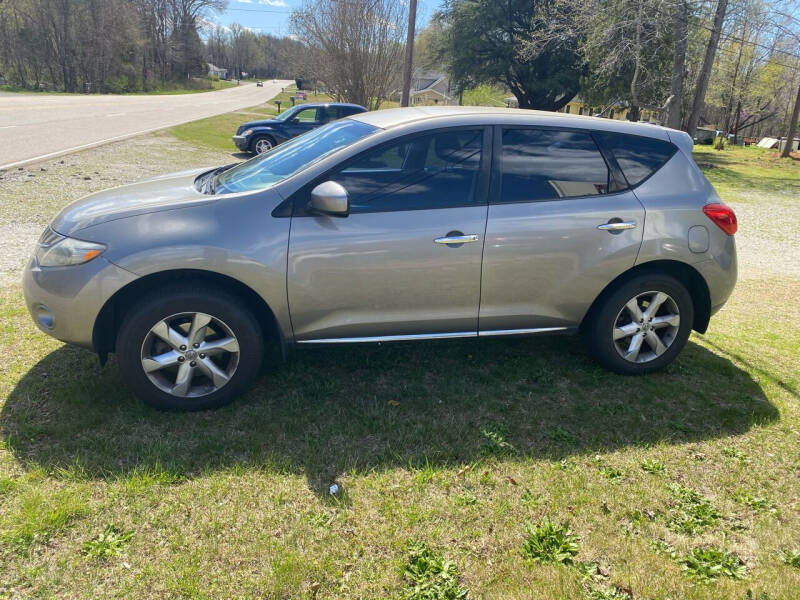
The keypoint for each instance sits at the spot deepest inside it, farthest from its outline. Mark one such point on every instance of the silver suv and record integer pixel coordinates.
(403, 224)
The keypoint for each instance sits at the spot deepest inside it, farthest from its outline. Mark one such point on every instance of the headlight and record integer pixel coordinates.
(248, 132)
(55, 250)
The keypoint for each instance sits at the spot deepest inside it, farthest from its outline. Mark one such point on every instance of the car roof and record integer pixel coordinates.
(483, 115)
(316, 104)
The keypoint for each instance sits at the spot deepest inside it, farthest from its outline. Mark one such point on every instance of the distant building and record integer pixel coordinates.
(431, 88)
(577, 106)
(213, 71)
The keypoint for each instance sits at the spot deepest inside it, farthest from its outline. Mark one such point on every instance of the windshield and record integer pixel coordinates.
(285, 114)
(291, 157)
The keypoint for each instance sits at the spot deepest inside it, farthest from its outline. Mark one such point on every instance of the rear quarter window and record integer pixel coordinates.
(637, 156)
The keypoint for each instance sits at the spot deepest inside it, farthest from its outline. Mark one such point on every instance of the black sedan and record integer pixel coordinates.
(260, 136)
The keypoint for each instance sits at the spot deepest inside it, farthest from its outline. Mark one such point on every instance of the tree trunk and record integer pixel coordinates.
(792, 126)
(736, 121)
(681, 25)
(412, 21)
(705, 71)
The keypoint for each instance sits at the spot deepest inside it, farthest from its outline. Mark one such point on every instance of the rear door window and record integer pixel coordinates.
(546, 164)
(637, 156)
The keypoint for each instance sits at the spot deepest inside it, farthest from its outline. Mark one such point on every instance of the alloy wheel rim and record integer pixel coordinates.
(262, 146)
(190, 354)
(646, 326)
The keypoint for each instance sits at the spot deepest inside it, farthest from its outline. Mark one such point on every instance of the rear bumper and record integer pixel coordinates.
(64, 301)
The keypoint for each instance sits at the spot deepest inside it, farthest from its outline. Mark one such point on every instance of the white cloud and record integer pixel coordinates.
(280, 3)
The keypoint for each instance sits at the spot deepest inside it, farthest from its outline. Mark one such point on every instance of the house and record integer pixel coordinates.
(432, 88)
(577, 106)
(214, 71)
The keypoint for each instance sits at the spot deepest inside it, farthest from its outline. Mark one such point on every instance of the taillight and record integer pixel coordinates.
(723, 216)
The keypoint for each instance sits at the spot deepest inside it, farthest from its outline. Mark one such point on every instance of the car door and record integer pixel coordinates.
(406, 261)
(562, 225)
(304, 120)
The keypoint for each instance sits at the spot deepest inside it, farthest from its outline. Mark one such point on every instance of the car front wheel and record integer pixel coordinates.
(263, 144)
(642, 325)
(189, 348)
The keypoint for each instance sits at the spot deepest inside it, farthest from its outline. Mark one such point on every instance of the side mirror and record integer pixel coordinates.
(330, 198)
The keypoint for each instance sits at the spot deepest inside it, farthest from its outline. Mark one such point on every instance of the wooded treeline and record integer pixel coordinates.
(126, 45)
(735, 63)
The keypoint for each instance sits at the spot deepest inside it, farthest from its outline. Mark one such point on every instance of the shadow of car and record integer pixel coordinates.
(260, 136)
(380, 407)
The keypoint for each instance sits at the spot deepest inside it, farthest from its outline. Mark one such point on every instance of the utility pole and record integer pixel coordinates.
(412, 22)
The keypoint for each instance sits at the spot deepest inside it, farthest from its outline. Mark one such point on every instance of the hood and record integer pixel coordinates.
(164, 192)
(263, 123)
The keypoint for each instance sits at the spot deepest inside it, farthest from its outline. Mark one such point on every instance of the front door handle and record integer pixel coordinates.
(457, 239)
(616, 225)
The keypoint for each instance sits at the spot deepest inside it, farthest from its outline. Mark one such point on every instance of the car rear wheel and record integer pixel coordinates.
(642, 325)
(189, 348)
(263, 144)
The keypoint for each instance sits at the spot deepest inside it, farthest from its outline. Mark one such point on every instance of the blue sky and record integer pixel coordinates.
(272, 16)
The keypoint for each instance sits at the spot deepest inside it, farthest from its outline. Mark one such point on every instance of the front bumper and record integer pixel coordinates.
(241, 141)
(64, 301)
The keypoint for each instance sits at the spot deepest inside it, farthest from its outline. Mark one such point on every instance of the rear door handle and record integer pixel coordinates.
(617, 226)
(457, 239)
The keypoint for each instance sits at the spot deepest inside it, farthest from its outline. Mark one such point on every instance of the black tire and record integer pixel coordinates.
(258, 138)
(601, 323)
(189, 298)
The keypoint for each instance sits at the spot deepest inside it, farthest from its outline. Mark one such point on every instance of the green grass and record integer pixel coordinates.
(681, 484)
(218, 84)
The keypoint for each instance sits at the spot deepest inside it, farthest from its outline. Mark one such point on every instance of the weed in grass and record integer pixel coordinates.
(108, 544)
(757, 503)
(320, 519)
(566, 465)
(654, 467)
(612, 473)
(735, 453)
(706, 564)
(495, 443)
(430, 576)
(7, 485)
(663, 548)
(790, 557)
(599, 592)
(40, 517)
(468, 498)
(692, 513)
(531, 500)
(561, 435)
(549, 542)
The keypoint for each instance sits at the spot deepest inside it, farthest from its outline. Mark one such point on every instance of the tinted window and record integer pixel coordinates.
(638, 157)
(541, 164)
(290, 157)
(429, 171)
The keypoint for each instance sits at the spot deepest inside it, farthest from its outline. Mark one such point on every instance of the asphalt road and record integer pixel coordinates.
(35, 127)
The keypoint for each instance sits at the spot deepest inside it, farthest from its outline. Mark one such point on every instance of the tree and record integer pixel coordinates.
(792, 127)
(708, 63)
(515, 43)
(626, 45)
(681, 32)
(354, 47)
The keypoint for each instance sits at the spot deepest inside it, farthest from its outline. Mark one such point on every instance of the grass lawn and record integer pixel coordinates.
(503, 469)
(219, 84)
